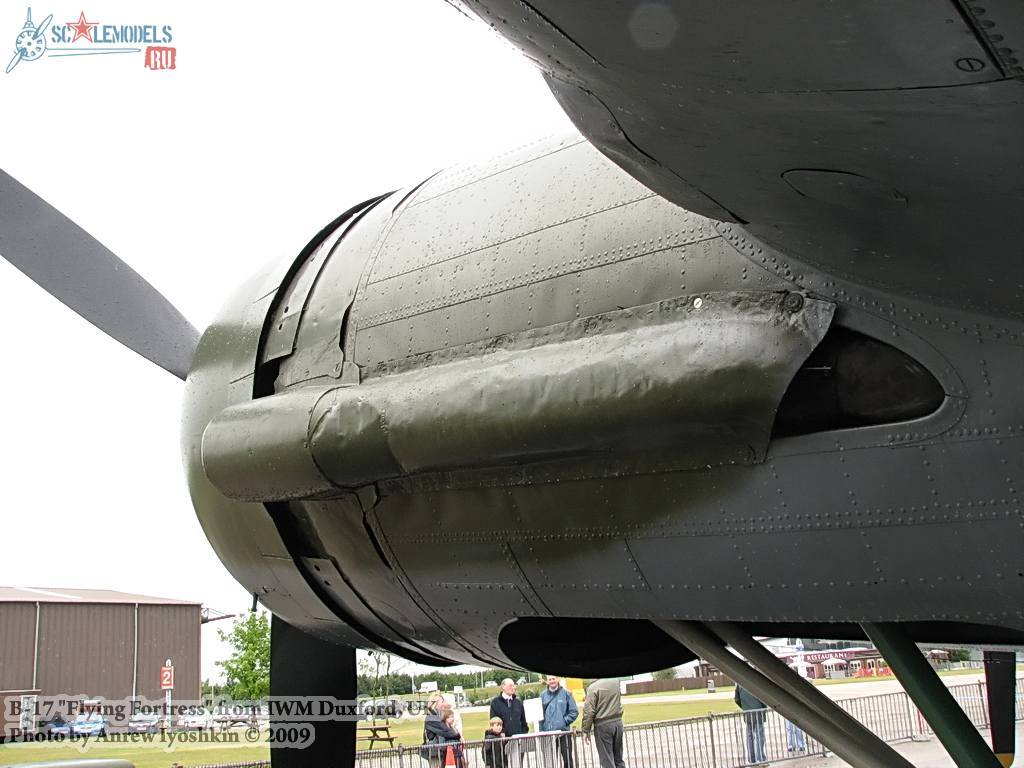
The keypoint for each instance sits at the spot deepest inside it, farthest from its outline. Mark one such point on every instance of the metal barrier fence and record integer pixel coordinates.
(972, 700)
(730, 740)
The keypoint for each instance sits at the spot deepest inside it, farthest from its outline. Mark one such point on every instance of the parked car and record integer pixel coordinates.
(383, 708)
(143, 723)
(90, 724)
(56, 726)
(227, 716)
(200, 720)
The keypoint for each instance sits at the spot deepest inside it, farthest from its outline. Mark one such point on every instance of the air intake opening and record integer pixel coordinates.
(590, 647)
(853, 380)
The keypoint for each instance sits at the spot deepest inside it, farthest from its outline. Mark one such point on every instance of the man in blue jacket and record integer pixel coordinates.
(560, 712)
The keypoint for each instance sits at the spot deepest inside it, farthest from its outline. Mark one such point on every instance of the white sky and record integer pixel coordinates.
(279, 117)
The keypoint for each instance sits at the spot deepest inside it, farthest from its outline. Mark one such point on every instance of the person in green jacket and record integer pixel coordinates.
(602, 716)
(754, 715)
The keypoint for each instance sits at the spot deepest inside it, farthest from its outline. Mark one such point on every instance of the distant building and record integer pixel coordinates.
(783, 645)
(94, 643)
(705, 669)
(838, 662)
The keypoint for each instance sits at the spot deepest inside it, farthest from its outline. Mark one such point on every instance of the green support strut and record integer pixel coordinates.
(958, 735)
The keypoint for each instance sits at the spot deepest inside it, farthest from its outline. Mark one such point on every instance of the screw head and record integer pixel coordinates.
(970, 64)
(794, 302)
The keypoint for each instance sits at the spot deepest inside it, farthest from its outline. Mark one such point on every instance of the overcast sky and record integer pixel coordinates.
(277, 118)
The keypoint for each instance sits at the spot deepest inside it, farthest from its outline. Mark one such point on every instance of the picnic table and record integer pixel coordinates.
(373, 733)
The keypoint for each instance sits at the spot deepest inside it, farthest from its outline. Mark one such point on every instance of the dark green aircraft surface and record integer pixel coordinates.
(746, 360)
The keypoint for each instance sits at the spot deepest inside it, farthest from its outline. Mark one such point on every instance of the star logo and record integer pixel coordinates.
(82, 28)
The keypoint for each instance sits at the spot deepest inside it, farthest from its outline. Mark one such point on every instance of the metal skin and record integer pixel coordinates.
(511, 414)
(878, 141)
(519, 413)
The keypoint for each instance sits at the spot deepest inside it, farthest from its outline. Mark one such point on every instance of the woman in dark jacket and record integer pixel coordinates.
(438, 735)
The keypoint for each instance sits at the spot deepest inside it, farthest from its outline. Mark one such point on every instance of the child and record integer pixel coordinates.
(438, 734)
(447, 713)
(494, 753)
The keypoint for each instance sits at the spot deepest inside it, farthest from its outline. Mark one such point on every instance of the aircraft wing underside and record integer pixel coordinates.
(878, 141)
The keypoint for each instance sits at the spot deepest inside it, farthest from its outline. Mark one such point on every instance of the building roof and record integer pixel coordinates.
(61, 595)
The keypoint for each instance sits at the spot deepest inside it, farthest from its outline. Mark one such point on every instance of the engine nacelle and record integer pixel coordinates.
(531, 402)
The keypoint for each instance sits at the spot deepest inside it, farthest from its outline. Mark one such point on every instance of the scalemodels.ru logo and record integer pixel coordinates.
(47, 38)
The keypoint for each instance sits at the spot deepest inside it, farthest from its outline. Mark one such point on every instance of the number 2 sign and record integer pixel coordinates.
(166, 678)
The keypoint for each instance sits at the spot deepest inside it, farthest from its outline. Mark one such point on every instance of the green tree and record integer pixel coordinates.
(247, 672)
(380, 674)
(210, 691)
(372, 680)
(665, 674)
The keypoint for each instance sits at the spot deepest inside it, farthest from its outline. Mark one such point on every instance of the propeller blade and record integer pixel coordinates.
(1000, 685)
(73, 267)
(14, 62)
(303, 665)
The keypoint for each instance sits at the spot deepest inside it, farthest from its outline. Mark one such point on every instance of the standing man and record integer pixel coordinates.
(602, 715)
(560, 712)
(796, 739)
(754, 714)
(509, 708)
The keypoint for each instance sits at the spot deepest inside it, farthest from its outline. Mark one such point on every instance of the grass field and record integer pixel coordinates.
(833, 681)
(639, 712)
(642, 696)
(150, 756)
